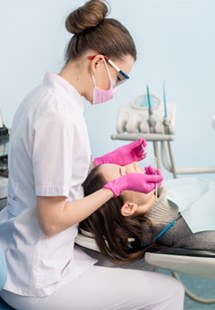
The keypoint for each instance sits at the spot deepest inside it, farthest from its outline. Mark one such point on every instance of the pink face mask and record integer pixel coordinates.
(102, 95)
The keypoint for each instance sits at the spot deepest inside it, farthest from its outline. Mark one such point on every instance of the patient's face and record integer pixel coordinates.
(112, 171)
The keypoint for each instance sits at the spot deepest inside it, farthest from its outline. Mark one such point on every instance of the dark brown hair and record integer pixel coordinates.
(116, 236)
(92, 30)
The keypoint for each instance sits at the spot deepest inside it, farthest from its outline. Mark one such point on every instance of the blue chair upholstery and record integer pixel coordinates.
(3, 276)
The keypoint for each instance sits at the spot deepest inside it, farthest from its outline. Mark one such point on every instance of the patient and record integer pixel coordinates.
(126, 226)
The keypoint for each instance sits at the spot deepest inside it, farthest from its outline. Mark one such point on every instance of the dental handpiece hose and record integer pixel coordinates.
(151, 120)
(165, 117)
(166, 125)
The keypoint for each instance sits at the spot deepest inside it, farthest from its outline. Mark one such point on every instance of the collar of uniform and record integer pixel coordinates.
(64, 87)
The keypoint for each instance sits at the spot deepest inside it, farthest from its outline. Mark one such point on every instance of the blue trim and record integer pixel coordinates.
(123, 74)
(164, 231)
(161, 233)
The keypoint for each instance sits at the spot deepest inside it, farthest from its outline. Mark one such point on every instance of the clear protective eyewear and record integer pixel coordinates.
(122, 77)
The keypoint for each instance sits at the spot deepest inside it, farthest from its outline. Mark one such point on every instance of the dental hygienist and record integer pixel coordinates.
(48, 161)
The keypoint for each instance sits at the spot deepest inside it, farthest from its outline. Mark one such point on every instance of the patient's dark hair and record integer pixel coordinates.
(118, 238)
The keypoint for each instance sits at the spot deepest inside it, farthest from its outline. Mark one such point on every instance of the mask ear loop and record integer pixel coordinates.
(112, 81)
(93, 78)
(108, 71)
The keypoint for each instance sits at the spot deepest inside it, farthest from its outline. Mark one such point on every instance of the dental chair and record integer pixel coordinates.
(139, 119)
(191, 262)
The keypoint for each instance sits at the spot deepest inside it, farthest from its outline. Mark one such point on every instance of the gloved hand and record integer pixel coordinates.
(152, 171)
(124, 155)
(137, 182)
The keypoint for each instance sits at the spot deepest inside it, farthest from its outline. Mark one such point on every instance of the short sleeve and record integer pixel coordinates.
(52, 155)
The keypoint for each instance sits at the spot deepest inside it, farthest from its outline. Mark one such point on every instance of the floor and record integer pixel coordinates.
(204, 288)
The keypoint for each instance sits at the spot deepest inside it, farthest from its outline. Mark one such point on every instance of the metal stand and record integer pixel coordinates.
(166, 157)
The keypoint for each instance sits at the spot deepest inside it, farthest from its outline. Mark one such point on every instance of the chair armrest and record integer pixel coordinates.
(182, 251)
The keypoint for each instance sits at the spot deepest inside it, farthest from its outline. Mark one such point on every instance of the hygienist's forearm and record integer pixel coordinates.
(80, 209)
(56, 215)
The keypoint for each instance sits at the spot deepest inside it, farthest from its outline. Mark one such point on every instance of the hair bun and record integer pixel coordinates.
(91, 14)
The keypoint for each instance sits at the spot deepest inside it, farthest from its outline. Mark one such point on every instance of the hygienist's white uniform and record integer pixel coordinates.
(54, 129)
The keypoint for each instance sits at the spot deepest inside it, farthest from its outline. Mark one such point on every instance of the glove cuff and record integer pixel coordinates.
(96, 161)
(117, 186)
(110, 186)
(105, 159)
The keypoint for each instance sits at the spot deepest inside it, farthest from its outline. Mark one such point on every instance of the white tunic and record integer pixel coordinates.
(49, 156)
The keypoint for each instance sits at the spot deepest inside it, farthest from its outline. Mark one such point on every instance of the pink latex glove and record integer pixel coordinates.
(124, 155)
(137, 182)
(152, 171)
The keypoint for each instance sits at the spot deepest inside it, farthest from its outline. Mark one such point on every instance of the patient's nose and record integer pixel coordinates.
(131, 168)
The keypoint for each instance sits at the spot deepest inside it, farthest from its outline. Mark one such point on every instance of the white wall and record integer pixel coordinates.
(175, 41)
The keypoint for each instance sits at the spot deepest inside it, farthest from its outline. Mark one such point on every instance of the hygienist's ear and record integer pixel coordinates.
(129, 208)
(97, 60)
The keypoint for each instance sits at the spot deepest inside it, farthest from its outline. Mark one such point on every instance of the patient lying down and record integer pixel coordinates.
(126, 226)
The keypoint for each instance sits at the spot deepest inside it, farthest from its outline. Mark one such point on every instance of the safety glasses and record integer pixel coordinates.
(122, 76)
